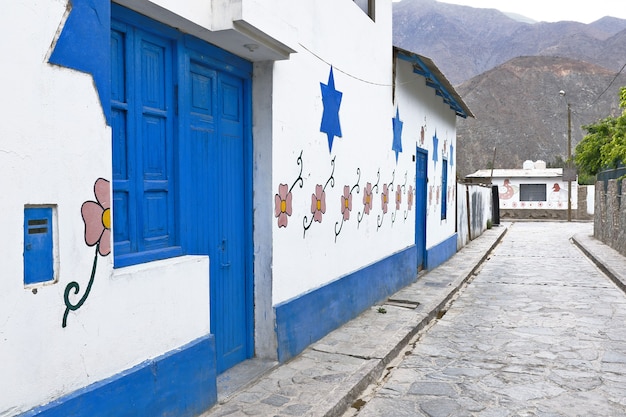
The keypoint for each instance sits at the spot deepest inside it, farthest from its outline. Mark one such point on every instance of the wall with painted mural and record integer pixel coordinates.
(336, 176)
(320, 205)
(430, 126)
(346, 178)
(67, 319)
(345, 139)
(553, 193)
(534, 187)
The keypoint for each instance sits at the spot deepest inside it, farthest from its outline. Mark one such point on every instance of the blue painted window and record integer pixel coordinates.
(144, 147)
(38, 245)
(444, 189)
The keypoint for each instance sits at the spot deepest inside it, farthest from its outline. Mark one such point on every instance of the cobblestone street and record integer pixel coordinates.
(539, 331)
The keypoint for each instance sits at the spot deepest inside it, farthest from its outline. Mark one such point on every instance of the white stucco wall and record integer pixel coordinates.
(362, 66)
(55, 144)
(474, 210)
(421, 107)
(361, 56)
(591, 198)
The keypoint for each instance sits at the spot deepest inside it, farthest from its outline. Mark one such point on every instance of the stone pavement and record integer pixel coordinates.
(539, 331)
(329, 377)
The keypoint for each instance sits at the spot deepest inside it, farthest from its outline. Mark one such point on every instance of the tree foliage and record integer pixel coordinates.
(604, 146)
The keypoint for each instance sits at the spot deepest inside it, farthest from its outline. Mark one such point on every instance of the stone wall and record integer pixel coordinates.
(609, 224)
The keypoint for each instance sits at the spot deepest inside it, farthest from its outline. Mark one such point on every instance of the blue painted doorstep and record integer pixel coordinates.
(181, 383)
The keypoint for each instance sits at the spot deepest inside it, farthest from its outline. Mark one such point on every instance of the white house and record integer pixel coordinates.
(192, 184)
(531, 192)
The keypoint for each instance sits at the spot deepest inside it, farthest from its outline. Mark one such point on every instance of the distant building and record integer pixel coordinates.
(531, 192)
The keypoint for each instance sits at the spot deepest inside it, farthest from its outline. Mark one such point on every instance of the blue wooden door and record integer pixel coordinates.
(215, 159)
(421, 177)
(181, 170)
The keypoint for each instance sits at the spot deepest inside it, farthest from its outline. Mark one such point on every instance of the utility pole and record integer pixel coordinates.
(568, 164)
(569, 161)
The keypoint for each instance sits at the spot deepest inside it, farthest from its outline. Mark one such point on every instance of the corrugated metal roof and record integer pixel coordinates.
(518, 173)
(435, 79)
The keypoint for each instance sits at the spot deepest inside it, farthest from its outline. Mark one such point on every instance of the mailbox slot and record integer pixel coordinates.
(38, 245)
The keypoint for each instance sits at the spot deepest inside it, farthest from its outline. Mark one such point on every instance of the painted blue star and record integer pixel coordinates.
(451, 155)
(435, 146)
(331, 99)
(397, 134)
(84, 45)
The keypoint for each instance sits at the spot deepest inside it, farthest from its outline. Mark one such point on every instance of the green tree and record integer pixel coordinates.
(604, 146)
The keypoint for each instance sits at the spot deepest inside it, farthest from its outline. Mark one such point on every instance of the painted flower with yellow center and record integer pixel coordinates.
(97, 217)
(282, 205)
(346, 202)
(318, 203)
(398, 197)
(385, 198)
(367, 198)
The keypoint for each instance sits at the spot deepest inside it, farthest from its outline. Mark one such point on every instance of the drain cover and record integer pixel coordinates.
(402, 303)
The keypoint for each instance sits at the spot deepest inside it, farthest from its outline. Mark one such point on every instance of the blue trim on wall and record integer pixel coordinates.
(85, 45)
(440, 253)
(180, 383)
(308, 318)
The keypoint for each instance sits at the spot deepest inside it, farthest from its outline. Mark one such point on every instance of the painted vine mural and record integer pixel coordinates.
(97, 218)
(365, 196)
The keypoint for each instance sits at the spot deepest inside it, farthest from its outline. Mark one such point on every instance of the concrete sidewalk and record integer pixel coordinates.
(330, 375)
(610, 261)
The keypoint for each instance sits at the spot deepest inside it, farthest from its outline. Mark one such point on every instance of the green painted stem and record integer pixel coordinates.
(74, 285)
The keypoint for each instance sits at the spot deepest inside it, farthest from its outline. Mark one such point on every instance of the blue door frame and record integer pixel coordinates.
(421, 181)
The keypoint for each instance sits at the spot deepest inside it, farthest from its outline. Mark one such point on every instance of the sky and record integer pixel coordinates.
(585, 11)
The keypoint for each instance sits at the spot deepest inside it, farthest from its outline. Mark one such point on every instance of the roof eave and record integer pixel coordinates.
(435, 79)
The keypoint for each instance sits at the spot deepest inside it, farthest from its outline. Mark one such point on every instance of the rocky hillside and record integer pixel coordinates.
(465, 41)
(510, 72)
(520, 112)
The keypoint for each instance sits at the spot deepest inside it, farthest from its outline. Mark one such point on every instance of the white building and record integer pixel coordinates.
(193, 184)
(530, 191)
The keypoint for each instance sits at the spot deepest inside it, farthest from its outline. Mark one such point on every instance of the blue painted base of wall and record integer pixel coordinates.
(308, 318)
(180, 383)
(440, 253)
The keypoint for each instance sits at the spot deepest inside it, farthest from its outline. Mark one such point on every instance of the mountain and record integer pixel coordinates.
(509, 71)
(465, 41)
(520, 112)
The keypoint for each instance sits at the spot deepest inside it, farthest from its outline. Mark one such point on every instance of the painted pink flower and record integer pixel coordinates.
(318, 203)
(346, 202)
(283, 205)
(97, 217)
(384, 198)
(409, 197)
(367, 198)
(398, 197)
